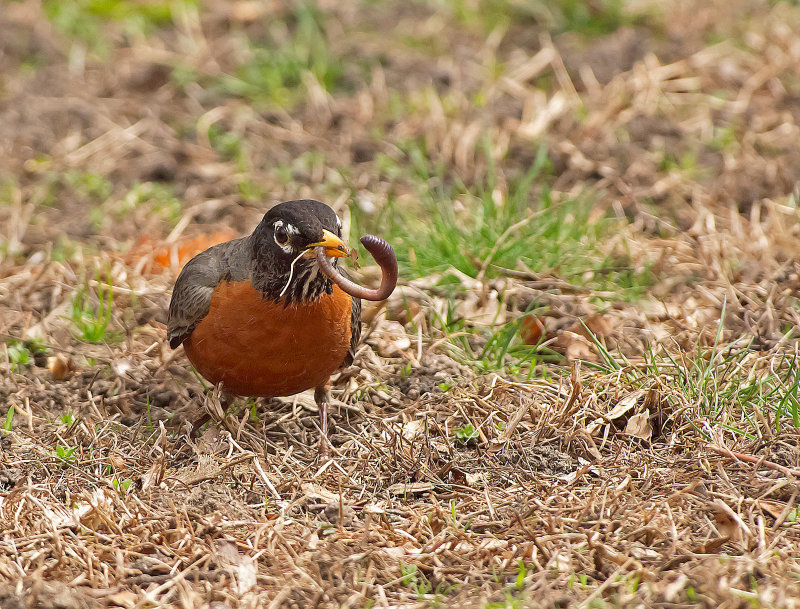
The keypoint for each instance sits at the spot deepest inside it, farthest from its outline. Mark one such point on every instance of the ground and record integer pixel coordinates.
(583, 393)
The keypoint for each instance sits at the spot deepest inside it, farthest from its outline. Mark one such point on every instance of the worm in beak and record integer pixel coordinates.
(383, 254)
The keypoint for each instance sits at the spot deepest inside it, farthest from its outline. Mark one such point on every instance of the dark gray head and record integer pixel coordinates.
(283, 250)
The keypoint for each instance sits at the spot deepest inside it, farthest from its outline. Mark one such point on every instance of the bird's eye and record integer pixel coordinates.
(281, 235)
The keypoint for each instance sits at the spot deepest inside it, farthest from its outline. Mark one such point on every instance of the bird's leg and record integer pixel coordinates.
(322, 396)
(225, 399)
(198, 423)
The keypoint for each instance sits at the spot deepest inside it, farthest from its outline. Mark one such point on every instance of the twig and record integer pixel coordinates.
(787, 471)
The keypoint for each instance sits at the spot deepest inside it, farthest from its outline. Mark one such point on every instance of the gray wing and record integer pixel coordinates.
(191, 296)
(355, 332)
(355, 327)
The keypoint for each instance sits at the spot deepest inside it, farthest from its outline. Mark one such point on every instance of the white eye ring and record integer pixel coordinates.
(281, 235)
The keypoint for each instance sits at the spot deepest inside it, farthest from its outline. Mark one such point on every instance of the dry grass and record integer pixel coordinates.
(651, 462)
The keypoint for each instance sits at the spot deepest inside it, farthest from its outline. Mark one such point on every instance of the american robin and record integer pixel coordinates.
(269, 314)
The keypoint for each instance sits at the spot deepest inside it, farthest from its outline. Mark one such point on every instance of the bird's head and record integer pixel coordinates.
(284, 245)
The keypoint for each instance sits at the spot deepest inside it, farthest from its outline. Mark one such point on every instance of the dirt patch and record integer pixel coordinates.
(610, 55)
(45, 594)
(436, 374)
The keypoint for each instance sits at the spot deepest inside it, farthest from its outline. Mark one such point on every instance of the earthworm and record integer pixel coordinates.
(383, 254)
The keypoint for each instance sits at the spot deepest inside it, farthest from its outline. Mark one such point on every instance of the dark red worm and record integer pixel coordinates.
(384, 256)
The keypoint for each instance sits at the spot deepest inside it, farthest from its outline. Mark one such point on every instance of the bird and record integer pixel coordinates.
(271, 314)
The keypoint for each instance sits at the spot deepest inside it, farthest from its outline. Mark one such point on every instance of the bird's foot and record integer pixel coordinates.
(322, 396)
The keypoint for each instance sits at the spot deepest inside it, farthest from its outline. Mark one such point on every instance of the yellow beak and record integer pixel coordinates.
(334, 247)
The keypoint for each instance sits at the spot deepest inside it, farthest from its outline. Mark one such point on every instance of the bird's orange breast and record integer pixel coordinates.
(256, 347)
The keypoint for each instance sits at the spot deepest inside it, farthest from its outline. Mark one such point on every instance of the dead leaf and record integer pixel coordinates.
(476, 479)
(353, 255)
(477, 310)
(602, 326)
(60, 367)
(391, 339)
(93, 510)
(624, 405)
(675, 589)
(773, 508)
(404, 305)
(151, 565)
(244, 568)
(573, 346)
(317, 492)
(729, 524)
(123, 598)
(569, 478)
(175, 255)
(639, 426)
(403, 312)
(560, 561)
(410, 488)
(413, 429)
(712, 546)
(531, 330)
